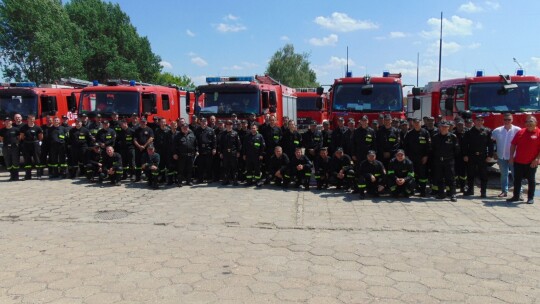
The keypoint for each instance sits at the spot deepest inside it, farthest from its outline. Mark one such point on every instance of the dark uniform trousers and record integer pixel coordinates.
(11, 158)
(128, 161)
(204, 166)
(57, 159)
(444, 175)
(477, 166)
(230, 166)
(185, 167)
(138, 162)
(32, 158)
(420, 174)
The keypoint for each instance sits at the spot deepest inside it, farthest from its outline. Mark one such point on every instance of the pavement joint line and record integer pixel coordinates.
(305, 228)
(299, 209)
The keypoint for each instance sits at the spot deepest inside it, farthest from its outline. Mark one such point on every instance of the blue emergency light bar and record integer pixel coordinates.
(385, 74)
(230, 79)
(479, 73)
(520, 72)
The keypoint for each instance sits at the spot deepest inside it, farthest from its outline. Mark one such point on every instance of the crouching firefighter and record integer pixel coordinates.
(150, 166)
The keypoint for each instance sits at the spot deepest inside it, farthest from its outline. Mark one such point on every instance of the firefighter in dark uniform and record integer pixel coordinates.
(217, 162)
(371, 175)
(460, 165)
(184, 149)
(299, 170)
(312, 141)
(93, 162)
(144, 136)
(229, 147)
(150, 166)
(194, 124)
(322, 168)
(400, 175)
(387, 141)
(45, 143)
(242, 133)
(348, 139)
(477, 148)
(364, 139)
(162, 143)
(253, 149)
(115, 122)
(57, 145)
(112, 166)
(31, 135)
(126, 148)
(326, 134)
(95, 124)
(292, 139)
(10, 136)
(338, 136)
(341, 170)
(206, 139)
(106, 136)
(79, 139)
(417, 145)
(272, 138)
(278, 165)
(445, 148)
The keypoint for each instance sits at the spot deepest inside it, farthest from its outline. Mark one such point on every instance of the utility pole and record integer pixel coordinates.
(440, 48)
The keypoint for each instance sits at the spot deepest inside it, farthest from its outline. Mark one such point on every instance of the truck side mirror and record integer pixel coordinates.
(416, 104)
(320, 90)
(416, 91)
(450, 91)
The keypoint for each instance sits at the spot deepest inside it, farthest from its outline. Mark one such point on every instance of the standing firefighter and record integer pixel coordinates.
(124, 143)
(477, 148)
(57, 145)
(417, 145)
(144, 136)
(10, 149)
(162, 143)
(445, 148)
(253, 148)
(79, 139)
(31, 135)
(229, 147)
(206, 139)
(184, 150)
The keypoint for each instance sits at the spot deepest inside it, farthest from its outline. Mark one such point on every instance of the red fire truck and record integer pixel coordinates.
(354, 97)
(310, 107)
(48, 99)
(129, 97)
(223, 96)
(490, 96)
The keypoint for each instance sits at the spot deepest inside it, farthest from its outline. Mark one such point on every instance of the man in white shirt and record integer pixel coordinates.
(503, 136)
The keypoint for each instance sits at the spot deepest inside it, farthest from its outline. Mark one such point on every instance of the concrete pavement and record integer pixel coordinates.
(65, 241)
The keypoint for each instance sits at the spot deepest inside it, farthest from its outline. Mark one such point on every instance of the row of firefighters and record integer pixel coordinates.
(400, 159)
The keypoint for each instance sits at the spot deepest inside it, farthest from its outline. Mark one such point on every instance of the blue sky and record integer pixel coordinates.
(237, 38)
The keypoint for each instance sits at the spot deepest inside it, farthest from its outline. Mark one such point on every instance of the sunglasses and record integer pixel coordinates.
(529, 121)
(507, 119)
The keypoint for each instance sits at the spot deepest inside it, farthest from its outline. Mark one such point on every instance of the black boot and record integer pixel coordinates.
(28, 175)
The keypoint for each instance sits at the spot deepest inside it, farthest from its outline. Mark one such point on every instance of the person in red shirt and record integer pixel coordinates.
(525, 155)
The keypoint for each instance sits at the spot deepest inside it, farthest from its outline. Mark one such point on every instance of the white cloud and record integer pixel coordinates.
(405, 67)
(341, 22)
(234, 68)
(225, 28)
(199, 61)
(166, 65)
(190, 33)
(199, 80)
(494, 5)
(397, 35)
(325, 41)
(470, 8)
(428, 71)
(474, 46)
(284, 38)
(456, 26)
(230, 17)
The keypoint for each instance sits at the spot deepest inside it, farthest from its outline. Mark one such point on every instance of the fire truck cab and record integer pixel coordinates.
(259, 95)
(311, 107)
(48, 99)
(129, 97)
(490, 96)
(353, 97)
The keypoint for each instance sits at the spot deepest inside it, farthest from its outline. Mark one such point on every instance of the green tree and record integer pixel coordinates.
(37, 41)
(111, 47)
(291, 69)
(167, 78)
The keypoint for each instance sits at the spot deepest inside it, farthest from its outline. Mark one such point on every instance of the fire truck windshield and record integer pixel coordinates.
(124, 103)
(383, 97)
(226, 103)
(491, 97)
(12, 104)
(306, 104)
